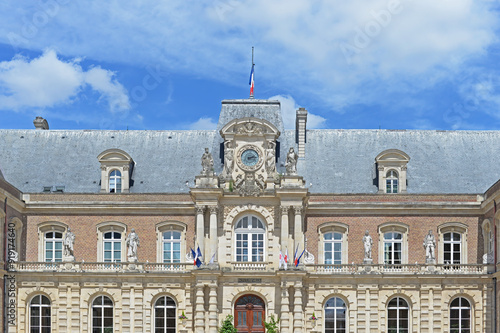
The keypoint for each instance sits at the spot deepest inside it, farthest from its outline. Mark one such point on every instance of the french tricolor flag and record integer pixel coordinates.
(250, 82)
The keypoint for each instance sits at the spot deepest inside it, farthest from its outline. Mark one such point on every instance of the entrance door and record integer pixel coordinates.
(249, 314)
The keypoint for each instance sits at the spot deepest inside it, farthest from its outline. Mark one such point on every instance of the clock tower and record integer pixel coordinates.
(249, 156)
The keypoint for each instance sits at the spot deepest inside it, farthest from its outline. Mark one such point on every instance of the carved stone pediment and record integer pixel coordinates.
(250, 185)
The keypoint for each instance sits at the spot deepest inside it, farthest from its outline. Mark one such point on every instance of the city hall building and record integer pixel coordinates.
(172, 231)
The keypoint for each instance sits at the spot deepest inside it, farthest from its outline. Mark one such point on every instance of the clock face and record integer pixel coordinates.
(250, 157)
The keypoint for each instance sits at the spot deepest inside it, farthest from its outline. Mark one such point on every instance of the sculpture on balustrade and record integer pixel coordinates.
(68, 243)
(132, 243)
(430, 248)
(207, 164)
(367, 243)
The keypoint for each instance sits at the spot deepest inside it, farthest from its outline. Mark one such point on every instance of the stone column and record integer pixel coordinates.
(212, 317)
(213, 234)
(299, 234)
(199, 312)
(285, 309)
(297, 311)
(284, 230)
(200, 228)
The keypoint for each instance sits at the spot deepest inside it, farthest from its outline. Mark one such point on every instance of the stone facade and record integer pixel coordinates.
(242, 216)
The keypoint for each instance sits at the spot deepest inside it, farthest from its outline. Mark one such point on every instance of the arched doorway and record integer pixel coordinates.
(249, 313)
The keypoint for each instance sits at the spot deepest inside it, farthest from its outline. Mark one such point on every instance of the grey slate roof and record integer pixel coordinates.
(164, 160)
(337, 161)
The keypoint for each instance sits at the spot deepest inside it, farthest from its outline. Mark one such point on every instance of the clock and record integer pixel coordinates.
(250, 157)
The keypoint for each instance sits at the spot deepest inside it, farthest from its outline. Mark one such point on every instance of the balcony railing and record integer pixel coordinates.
(99, 267)
(400, 269)
(249, 266)
(332, 269)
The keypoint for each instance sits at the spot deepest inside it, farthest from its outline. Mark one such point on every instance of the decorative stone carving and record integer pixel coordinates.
(207, 164)
(133, 244)
(367, 243)
(250, 186)
(68, 242)
(284, 210)
(291, 162)
(199, 209)
(250, 128)
(430, 248)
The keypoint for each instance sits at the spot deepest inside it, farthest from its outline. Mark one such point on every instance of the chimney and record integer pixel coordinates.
(300, 131)
(41, 123)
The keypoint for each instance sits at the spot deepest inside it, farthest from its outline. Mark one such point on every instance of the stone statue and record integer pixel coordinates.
(132, 243)
(228, 158)
(270, 159)
(291, 162)
(68, 242)
(207, 163)
(430, 248)
(368, 243)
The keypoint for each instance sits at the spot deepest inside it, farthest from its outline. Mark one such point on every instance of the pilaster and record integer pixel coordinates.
(213, 234)
(297, 311)
(199, 323)
(212, 309)
(284, 229)
(200, 228)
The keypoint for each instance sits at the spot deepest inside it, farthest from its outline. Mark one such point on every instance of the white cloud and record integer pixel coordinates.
(203, 124)
(288, 110)
(48, 81)
(402, 48)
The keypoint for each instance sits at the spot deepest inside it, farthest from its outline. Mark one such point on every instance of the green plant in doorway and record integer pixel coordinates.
(227, 325)
(272, 325)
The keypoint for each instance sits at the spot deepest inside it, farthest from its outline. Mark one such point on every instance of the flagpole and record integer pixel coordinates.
(252, 73)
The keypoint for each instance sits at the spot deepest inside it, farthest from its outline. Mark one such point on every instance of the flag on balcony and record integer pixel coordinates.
(212, 260)
(285, 259)
(194, 256)
(297, 259)
(197, 260)
(281, 260)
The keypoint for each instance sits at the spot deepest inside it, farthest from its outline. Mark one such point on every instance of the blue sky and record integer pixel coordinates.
(396, 64)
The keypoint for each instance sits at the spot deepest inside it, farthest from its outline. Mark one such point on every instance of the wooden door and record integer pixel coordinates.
(249, 313)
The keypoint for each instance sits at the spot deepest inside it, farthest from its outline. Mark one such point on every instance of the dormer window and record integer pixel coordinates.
(116, 170)
(391, 166)
(115, 182)
(391, 182)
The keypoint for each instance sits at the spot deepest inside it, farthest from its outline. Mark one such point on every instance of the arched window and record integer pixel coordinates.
(53, 246)
(452, 245)
(460, 316)
(102, 315)
(335, 316)
(40, 314)
(172, 246)
(112, 242)
(115, 182)
(165, 315)
(333, 248)
(250, 233)
(398, 314)
(391, 182)
(393, 242)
